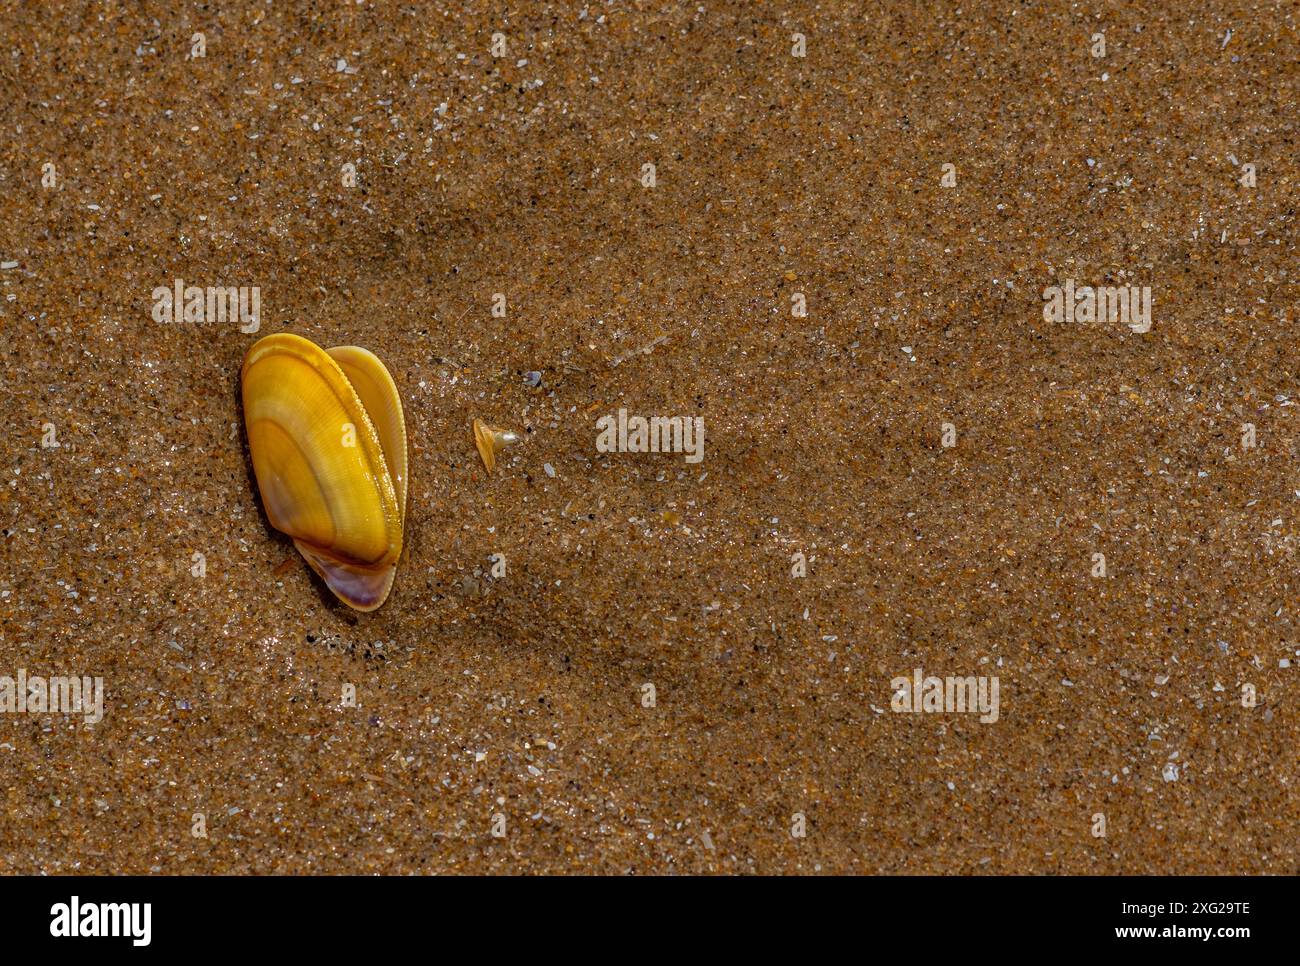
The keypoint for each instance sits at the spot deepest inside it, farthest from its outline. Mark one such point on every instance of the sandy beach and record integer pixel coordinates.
(827, 233)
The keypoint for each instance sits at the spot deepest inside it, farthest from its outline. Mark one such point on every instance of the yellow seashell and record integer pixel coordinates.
(328, 442)
(491, 441)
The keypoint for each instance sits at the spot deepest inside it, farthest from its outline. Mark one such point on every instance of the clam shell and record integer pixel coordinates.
(328, 442)
(489, 440)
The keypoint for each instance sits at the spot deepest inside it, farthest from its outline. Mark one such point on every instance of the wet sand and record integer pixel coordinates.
(523, 696)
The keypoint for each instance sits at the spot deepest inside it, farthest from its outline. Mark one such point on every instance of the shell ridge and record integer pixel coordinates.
(372, 449)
